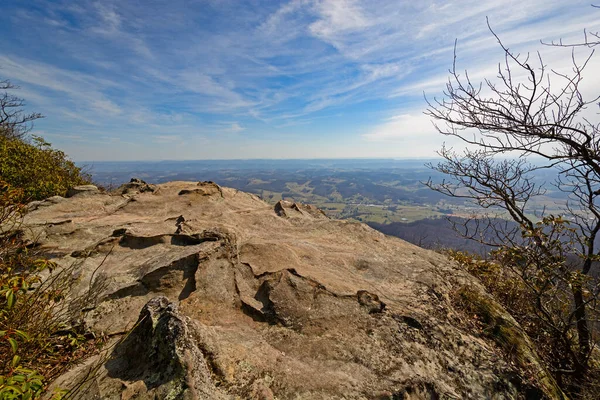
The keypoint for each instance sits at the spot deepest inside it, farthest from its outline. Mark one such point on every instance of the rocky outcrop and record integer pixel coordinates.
(163, 354)
(242, 300)
(136, 185)
(82, 190)
(289, 209)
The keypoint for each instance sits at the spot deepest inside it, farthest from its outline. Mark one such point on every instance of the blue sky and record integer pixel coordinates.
(219, 79)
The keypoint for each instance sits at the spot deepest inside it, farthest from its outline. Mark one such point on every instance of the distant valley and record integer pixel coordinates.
(387, 194)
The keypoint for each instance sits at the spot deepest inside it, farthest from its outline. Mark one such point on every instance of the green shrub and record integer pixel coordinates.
(40, 336)
(36, 168)
(528, 287)
(38, 340)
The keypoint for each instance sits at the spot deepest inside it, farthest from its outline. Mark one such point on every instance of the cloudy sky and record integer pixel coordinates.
(198, 79)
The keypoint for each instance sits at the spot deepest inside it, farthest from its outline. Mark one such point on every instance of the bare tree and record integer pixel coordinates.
(590, 39)
(14, 122)
(532, 113)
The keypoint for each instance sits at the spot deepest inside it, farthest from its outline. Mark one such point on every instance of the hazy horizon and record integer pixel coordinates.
(271, 159)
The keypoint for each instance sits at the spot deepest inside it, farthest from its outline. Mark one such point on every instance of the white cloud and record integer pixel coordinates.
(198, 82)
(235, 127)
(106, 106)
(409, 135)
(284, 24)
(82, 90)
(403, 127)
(110, 21)
(193, 69)
(338, 17)
(166, 138)
(109, 24)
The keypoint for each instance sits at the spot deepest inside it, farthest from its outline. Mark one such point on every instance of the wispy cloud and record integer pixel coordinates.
(166, 138)
(194, 71)
(403, 127)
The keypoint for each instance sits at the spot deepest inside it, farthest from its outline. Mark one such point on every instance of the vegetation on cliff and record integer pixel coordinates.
(36, 343)
(36, 168)
(542, 269)
(29, 163)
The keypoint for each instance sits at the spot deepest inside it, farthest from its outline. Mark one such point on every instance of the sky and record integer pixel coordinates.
(225, 79)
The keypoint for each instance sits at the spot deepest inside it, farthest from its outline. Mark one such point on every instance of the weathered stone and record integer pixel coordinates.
(136, 185)
(161, 352)
(207, 188)
(270, 304)
(34, 205)
(82, 190)
(289, 209)
(370, 301)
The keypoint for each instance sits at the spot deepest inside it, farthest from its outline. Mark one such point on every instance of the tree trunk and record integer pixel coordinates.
(583, 332)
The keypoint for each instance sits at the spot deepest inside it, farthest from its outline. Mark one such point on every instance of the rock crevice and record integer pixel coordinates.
(241, 300)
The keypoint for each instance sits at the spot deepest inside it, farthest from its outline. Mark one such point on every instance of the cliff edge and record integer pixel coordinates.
(207, 292)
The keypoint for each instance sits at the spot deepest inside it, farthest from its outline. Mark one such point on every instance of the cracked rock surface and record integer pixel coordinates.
(232, 298)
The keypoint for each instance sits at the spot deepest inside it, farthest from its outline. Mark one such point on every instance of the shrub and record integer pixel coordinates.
(39, 170)
(536, 295)
(39, 333)
(527, 119)
(38, 339)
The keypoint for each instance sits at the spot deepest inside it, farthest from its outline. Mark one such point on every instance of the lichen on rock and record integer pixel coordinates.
(241, 300)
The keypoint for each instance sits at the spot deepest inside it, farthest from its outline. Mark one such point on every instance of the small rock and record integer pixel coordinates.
(119, 232)
(208, 188)
(260, 391)
(133, 390)
(54, 199)
(287, 209)
(136, 185)
(82, 190)
(370, 301)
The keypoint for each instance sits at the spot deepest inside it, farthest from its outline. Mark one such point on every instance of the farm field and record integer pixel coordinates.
(386, 194)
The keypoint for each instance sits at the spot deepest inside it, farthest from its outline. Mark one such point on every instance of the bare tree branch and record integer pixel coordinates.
(531, 111)
(14, 122)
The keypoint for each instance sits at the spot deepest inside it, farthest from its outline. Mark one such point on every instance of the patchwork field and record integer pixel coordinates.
(387, 194)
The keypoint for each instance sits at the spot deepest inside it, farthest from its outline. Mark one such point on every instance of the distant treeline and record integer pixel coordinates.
(435, 233)
(438, 234)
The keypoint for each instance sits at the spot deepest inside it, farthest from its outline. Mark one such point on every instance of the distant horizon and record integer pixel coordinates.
(531, 159)
(268, 159)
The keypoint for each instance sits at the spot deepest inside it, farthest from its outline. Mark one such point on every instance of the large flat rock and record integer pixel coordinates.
(268, 303)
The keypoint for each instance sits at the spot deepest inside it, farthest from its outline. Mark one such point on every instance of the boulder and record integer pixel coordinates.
(161, 351)
(43, 203)
(207, 188)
